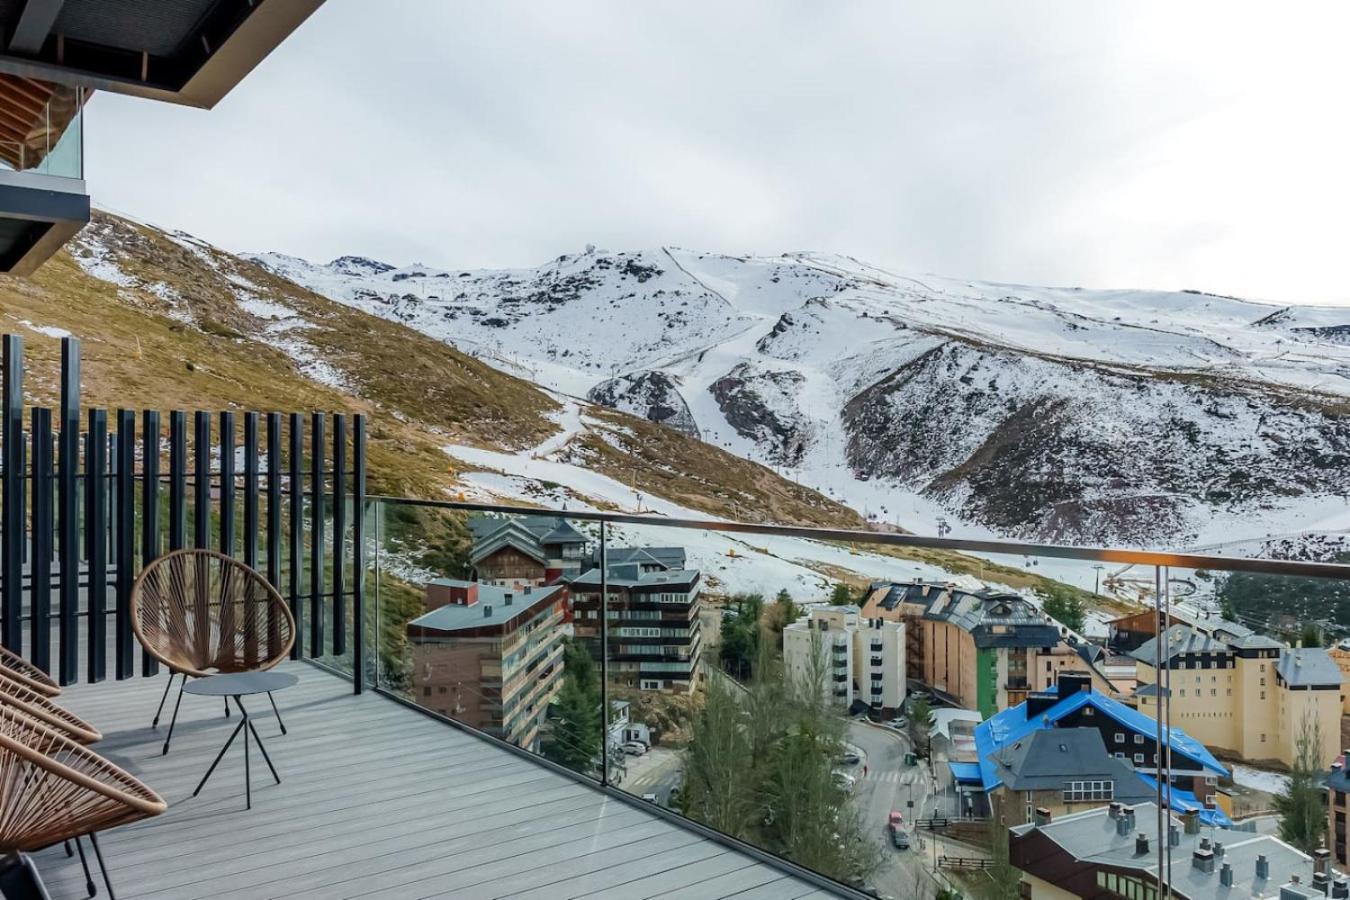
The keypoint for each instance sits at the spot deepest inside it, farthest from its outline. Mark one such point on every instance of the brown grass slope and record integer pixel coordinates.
(172, 333)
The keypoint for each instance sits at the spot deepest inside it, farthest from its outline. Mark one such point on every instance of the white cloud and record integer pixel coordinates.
(1141, 144)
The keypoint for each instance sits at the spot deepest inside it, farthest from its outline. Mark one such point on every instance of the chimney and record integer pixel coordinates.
(1218, 850)
(1141, 844)
(1173, 835)
(487, 611)
(1191, 821)
(528, 588)
(1114, 809)
(507, 598)
(1127, 813)
(1124, 823)
(1321, 883)
(1341, 888)
(1226, 875)
(1322, 860)
(1262, 867)
(1042, 816)
(1203, 858)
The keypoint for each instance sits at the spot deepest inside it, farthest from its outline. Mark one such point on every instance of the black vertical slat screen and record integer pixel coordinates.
(227, 483)
(83, 505)
(339, 533)
(150, 541)
(69, 513)
(316, 536)
(96, 540)
(177, 480)
(124, 550)
(11, 503)
(295, 535)
(40, 568)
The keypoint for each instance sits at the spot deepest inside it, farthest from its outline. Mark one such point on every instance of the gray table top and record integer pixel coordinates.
(240, 684)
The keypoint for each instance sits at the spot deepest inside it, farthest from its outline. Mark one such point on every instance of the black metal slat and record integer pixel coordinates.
(68, 524)
(358, 553)
(177, 480)
(150, 543)
(11, 504)
(250, 536)
(297, 468)
(339, 533)
(316, 538)
(227, 486)
(125, 546)
(96, 539)
(201, 480)
(273, 520)
(40, 567)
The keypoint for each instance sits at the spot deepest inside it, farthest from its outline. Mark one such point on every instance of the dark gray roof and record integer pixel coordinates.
(1181, 639)
(993, 618)
(1092, 836)
(1151, 690)
(1044, 760)
(628, 576)
(492, 607)
(670, 557)
(1308, 666)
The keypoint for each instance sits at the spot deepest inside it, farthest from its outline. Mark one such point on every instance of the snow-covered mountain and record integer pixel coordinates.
(1135, 417)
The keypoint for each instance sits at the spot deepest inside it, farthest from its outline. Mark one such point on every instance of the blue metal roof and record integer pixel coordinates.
(1011, 725)
(965, 772)
(1185, 801)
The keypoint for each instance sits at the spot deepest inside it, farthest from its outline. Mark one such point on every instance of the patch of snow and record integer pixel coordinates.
(51, 331)
(264, 309)
(1260, 779)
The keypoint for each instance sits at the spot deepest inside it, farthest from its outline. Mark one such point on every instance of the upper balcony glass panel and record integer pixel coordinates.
(44, 136)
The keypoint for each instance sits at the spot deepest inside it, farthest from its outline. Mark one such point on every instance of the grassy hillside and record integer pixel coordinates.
(170, 322)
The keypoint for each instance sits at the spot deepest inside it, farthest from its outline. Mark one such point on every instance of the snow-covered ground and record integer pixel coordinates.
(1261, 780)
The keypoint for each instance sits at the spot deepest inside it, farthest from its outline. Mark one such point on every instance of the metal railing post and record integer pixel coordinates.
(604, 654)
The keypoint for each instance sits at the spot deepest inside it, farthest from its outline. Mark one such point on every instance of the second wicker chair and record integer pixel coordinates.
(203, 613)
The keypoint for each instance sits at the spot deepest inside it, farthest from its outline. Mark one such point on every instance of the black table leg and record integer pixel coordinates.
(174, 720)
(257, 737)
(277, 712)
(102, 866)
(233, 734)
(88, 878)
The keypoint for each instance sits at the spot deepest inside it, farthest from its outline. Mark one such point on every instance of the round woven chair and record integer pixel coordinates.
(55, 789)
(40, 707)
(204, 613)
(27, 674)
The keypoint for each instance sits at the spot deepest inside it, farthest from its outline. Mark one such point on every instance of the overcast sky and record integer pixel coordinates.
(1099, 144)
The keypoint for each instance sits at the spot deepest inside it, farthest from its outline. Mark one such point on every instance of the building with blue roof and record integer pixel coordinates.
(1125, 735)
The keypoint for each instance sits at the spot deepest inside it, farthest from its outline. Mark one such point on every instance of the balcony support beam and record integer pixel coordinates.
(35, 24)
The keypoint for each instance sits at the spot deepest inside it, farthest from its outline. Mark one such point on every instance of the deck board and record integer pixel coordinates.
(375, 801)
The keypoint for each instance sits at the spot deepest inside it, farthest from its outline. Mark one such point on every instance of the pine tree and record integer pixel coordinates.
(1066, 607)
(574, 735)
(1303, 820)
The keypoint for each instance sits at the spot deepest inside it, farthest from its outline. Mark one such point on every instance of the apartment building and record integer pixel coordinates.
(1338, 808)
(654, 632)
(864, 659)
(977, 647)
(1112, 852)
(1242, 693)
(489, 656)
(535, 550)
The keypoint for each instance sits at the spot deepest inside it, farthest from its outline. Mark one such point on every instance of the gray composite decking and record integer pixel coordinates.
(378, 801)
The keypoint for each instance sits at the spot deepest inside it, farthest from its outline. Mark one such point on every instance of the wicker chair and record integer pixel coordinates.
(40, 707)
(203, 613)
(27, 674)
(54, 789)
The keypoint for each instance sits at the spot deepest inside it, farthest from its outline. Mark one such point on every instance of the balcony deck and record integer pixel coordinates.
(378, 801)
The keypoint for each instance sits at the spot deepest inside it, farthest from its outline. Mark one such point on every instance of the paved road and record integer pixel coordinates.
(891, 785)
(655, 772)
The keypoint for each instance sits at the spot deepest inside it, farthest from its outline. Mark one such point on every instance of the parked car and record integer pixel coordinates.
(845, 780)
(899, 839)
(634, 748)
(848, 759)
(895, 821)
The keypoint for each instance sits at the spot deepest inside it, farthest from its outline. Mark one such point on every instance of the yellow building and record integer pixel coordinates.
(1242, 693)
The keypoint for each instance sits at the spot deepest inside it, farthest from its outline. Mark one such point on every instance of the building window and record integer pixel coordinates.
(1139, 759)
(1263, 738)
(1138, 738)
(1120, 737)
(1079, 791)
